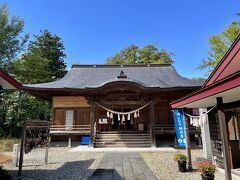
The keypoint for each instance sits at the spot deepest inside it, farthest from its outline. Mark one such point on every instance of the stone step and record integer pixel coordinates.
(122, 135)
(123, 145)
(122, 139)
(123, 132)
(120, 142)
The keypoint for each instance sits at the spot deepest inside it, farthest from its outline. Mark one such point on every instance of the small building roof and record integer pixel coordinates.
(224, 82)
(95, 76)
(8, 82)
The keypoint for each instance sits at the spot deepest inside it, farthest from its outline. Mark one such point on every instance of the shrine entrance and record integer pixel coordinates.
(118, 124)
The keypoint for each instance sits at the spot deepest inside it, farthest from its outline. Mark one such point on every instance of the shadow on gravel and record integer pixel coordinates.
(69, 170)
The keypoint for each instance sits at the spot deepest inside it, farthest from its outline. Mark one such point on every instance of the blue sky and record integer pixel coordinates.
(92, 30)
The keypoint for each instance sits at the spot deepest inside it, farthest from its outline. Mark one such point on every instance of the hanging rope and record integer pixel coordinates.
(123, 113)
(200, 116)
(198, 120)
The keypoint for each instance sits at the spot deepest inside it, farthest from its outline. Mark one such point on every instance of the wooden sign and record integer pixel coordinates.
(35, 134)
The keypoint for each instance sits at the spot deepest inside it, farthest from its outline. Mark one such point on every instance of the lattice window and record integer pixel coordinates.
(215, 138)
(69, 119)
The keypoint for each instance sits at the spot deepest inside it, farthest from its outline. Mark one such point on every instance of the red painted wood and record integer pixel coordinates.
(231, 68)
(224, 77)
(10, 79)
(208, 91)
(233, 50)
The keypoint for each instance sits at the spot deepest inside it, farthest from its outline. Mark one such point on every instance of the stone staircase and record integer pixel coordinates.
(122, 139)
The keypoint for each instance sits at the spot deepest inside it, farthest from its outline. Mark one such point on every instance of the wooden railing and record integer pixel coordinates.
(72, 129)
(169, 129)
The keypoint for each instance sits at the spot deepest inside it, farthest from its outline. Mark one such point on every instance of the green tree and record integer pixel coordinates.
(149, 54)
(51, 48)
(32, 69)
(219, 44)
(12, 38)
(43, 61)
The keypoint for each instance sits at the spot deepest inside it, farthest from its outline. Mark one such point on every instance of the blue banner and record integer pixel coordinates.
(179, 127)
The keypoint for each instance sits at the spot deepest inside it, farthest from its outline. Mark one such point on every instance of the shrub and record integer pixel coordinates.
(180, 157)
(206, 167)
(7, 144)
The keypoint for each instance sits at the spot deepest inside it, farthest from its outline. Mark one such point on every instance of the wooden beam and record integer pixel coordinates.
(152, 124)
(106, 103)
(224, 138)
(92, 122)
(22, 150)
(231, 105)
(188, 146)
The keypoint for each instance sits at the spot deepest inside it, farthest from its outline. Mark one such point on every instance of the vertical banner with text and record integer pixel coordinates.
(179, 127)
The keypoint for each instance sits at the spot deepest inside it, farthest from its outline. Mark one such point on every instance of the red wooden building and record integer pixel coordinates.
(118, 105)
(222, 90)
(7, 82)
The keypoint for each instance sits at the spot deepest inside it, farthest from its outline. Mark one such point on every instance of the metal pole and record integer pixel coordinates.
(188, 146)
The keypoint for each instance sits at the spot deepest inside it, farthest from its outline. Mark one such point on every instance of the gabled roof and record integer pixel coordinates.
(95, 76)
(228, 66)
(7, 81)
(224, 82)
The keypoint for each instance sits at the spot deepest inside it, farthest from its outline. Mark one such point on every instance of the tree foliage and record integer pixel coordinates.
(43, 61)
(149, 54)
(51, 48)
(219, 44)
(12, 38)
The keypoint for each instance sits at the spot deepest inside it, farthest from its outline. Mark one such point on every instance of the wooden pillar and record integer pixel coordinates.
(224, 138)
(22, 149)
(69, 141)
(188, 146)
(92, 122)
(152, 125)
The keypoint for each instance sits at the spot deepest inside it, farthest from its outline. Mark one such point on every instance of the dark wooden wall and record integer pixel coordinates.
(81, 116)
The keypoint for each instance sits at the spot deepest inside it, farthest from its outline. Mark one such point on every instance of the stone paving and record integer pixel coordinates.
(123, 165)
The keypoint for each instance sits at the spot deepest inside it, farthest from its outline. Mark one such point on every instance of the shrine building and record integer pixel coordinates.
(117, 105)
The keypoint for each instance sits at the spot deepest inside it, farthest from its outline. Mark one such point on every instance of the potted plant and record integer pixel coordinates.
(182, 162)
(206, 168)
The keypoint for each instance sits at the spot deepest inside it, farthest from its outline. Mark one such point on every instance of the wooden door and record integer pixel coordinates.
(83, 116)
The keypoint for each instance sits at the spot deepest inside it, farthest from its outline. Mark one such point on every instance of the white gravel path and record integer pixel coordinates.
(65, 164)
(165, 168)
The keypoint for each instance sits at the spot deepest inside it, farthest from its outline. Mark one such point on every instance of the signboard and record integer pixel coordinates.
(179, 127)
(35, 134)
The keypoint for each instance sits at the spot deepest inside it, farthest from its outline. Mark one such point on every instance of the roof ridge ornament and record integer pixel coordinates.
(122, 75)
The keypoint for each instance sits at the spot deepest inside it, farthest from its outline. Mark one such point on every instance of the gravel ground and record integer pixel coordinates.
(165, 168)
(63, 165)
(67, 165)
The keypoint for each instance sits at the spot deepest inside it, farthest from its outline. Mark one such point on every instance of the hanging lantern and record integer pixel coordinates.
(135, 114)
(119, 117)
(129, 117)
(138, 114)
(111, 115)
(108, 114)
(123, 118)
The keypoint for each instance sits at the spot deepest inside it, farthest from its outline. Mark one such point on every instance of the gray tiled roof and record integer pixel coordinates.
(93, 76)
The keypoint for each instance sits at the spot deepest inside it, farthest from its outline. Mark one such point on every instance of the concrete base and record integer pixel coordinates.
(234, 175)
(87, 149)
